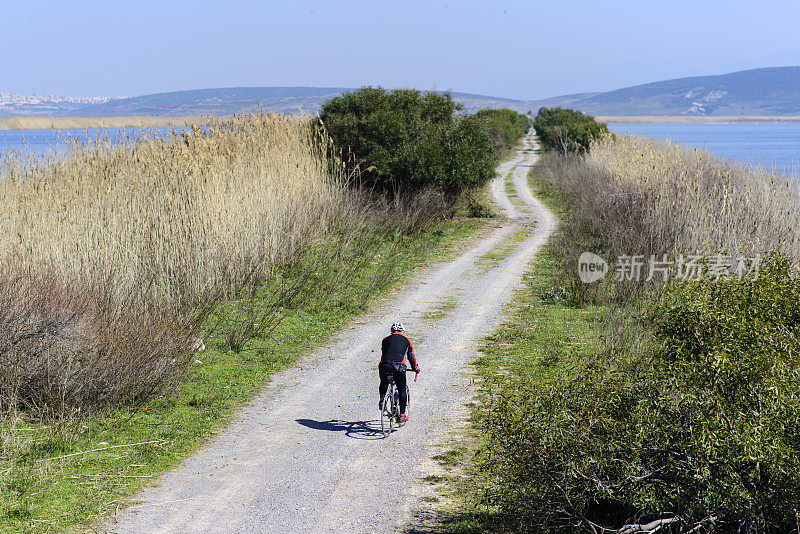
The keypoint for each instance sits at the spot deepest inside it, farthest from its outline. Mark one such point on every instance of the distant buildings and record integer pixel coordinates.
(17, 98)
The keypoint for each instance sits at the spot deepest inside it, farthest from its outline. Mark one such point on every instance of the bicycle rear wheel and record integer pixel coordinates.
(386, 413)
(392, 410)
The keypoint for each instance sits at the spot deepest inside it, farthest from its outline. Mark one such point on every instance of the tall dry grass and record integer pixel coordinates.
(693, 202)
(638, 196)
(169, 220)
(114, 253)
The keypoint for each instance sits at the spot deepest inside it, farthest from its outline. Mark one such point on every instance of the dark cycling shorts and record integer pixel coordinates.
(396, 370)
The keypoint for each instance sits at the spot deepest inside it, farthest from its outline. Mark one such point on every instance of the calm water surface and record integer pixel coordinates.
(53, 141)
(772, 144)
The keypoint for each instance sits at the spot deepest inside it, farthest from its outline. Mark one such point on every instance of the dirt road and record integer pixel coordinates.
(307, 455)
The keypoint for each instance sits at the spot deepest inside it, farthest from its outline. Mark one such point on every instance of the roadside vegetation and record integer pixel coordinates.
(148, 288)
(647, 406)
(506, 127)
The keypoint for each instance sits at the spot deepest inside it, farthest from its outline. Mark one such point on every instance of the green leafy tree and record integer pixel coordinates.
(567, 130)
(405, 140)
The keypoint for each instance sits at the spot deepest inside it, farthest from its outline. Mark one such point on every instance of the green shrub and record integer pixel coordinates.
(506, 126)
(405, 140)
(567, 130)
(704, 431)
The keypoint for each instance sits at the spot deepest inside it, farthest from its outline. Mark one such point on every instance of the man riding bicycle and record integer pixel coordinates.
(395, 348)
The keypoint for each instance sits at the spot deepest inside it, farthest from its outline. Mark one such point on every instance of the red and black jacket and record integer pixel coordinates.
(395, 348)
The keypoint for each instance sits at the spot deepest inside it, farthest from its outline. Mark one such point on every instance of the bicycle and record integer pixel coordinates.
(390, 414)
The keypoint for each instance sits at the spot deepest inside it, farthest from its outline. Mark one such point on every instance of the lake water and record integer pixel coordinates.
(772, 144)
(47, 141)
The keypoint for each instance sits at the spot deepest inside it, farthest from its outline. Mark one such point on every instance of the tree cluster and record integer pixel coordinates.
(506, 126)
(567, 130)
(404, 141)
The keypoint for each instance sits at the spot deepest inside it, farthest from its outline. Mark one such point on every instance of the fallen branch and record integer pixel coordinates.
(653, 526)
(103, 449)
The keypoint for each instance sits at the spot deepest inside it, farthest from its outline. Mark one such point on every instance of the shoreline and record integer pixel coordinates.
(675, 119)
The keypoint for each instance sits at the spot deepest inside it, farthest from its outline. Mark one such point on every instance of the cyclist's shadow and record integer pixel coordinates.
(351, 429)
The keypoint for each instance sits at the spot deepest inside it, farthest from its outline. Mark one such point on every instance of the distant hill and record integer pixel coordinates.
(768, 91)
(224, 101)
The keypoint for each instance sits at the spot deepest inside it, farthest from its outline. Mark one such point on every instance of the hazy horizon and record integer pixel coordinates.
(519, 50)
(454, 90)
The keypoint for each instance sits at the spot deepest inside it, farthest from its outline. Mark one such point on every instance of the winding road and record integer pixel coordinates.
(307, 454)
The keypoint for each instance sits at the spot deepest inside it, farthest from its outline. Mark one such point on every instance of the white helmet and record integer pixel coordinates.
(397, 327)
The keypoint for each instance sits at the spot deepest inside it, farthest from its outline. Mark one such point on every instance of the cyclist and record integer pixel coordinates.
(395, 348)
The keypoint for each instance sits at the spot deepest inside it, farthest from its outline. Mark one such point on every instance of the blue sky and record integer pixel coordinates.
(515, 49)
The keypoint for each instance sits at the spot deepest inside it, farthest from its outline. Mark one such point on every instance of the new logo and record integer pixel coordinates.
(591, 267)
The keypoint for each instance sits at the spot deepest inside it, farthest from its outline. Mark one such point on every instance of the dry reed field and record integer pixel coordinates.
(112, 255)
(172, 219)
(698, 203)
(642, 196)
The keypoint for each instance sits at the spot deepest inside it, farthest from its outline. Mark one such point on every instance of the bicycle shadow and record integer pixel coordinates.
(351, 429)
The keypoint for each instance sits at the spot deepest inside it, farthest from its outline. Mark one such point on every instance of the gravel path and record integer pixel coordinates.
(307, 455)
